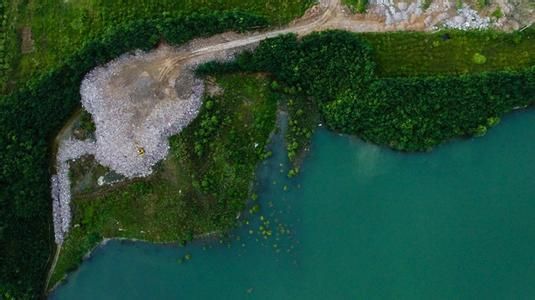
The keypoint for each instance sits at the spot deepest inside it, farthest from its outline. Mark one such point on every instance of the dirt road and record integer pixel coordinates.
(328, 14)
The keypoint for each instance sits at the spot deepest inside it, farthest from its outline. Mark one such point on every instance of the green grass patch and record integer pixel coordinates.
(200, 188)
(426, 4)
(358, 6)
(450, 52)
(482, 3)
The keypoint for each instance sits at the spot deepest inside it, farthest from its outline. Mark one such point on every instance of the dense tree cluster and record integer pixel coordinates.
(336, 70)
(418, 113)
(30, 117)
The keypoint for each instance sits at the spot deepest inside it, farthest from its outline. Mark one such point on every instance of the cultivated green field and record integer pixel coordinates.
(450, 52)
(60, 27)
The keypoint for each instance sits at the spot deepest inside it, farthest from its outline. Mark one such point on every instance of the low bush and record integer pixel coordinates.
(479, 58)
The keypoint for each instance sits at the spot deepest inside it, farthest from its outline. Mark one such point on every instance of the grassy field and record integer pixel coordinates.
(59, 27)
(450, 52)
(200, 188)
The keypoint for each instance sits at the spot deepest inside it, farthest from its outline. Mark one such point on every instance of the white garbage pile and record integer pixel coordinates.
(466, 19)
(399, 12)
(133, 122)
(61, 185)
(136, 105)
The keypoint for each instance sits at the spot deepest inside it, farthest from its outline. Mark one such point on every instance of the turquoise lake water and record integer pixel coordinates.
(359, 222)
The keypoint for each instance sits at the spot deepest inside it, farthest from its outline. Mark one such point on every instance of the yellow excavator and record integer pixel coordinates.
(140, 151)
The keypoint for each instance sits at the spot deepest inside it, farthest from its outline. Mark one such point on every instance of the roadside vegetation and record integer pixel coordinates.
(59, 28)
(358, 6)
(202, 187)
(31, 116)
(336, 72)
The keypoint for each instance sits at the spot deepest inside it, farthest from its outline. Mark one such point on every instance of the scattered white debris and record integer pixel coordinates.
(440, 13)
(467, 18)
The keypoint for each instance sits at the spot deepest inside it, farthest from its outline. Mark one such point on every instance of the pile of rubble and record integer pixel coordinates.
(466, 19)
(408, 14)
(398, 13)
(134, 118)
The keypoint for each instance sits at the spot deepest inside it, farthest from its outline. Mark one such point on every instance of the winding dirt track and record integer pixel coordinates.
(331, 16)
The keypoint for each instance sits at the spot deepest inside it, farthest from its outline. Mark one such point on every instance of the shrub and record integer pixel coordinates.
(497, 13)
(479, 59)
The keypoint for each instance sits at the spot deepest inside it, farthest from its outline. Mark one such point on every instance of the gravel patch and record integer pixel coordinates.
(440, 14)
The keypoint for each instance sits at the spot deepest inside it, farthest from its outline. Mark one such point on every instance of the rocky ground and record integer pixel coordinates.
(421, 15)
